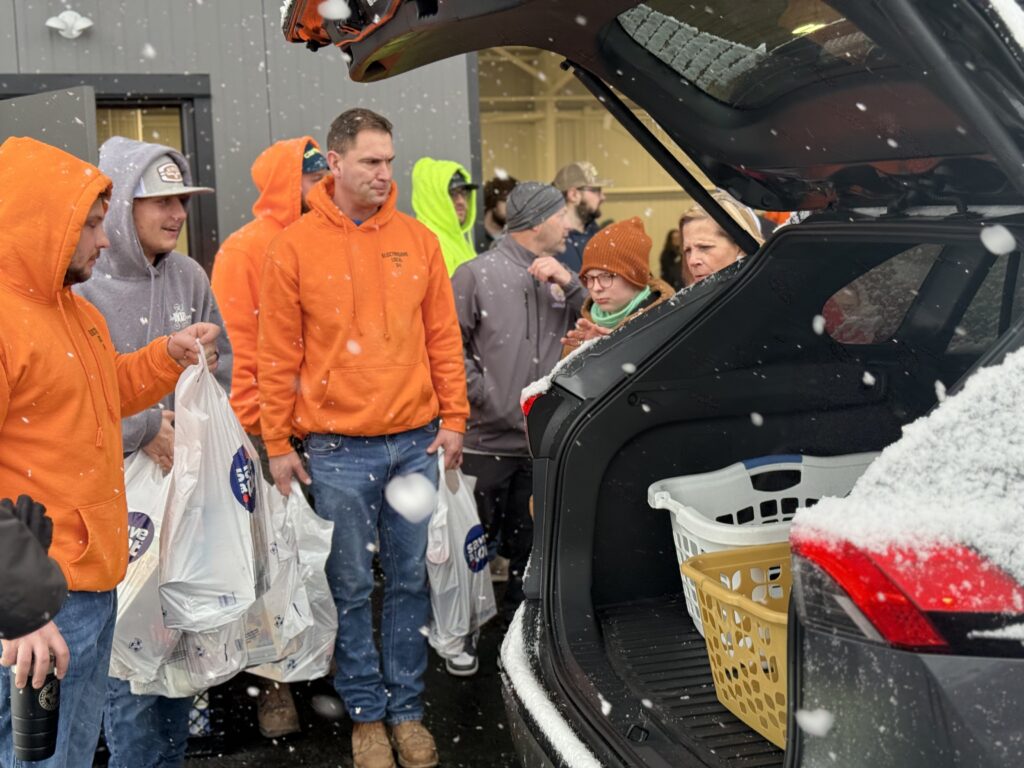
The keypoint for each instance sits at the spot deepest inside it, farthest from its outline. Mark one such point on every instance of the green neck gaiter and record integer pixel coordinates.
(612, 319)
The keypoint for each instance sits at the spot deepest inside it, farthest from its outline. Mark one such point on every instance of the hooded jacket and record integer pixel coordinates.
(512, 327)
(277, 174)
(358, 334)
(63, 387)
(142, 301)
(434, 209)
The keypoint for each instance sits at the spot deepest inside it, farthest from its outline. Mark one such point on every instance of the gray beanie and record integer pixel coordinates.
(530, 203)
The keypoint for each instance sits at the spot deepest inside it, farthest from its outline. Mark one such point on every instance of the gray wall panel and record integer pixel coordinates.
(263, 88)
(223, 38)
(8, 40)
(429, 107)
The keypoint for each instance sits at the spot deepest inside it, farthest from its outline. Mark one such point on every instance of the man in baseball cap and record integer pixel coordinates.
(146, 289)
(583, 190)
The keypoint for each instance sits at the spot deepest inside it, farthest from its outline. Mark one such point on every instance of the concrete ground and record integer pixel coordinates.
(465, 715)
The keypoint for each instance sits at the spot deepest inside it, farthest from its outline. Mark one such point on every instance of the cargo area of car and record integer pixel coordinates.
(633, 651)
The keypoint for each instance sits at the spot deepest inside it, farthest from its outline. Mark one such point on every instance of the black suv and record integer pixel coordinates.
(899, 126)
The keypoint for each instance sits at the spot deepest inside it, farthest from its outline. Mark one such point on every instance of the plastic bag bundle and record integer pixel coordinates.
(461, 594)
(199, 661)
(277, 618)
(141, 641)
(214, 548)
(312, 658)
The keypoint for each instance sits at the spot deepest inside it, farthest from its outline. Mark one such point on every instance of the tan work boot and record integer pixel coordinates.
(415, 745)
(275, 711)
(370, 746)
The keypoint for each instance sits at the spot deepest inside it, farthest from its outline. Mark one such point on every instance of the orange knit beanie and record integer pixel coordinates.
(623, 248)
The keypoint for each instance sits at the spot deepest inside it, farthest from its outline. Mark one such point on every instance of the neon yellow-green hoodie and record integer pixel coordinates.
(434, 209)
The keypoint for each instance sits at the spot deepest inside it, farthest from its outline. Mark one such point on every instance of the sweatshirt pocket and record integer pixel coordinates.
(102, 563)
(372, 401)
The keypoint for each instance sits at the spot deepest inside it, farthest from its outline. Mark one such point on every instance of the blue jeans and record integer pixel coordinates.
(86, 620)
(144, 731)
(349, 476)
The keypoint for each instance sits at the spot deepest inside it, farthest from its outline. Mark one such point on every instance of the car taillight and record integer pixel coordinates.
(527, 404)
(890, 596)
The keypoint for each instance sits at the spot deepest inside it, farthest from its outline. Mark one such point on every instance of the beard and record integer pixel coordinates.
(585, 214)
(76, 275)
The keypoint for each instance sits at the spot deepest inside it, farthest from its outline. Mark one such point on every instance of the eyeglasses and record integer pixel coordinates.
(603, 279)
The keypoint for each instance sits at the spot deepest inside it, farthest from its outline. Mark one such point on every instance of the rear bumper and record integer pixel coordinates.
(894, 707)
(541, 734)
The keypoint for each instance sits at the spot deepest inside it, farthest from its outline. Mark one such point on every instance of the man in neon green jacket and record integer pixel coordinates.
(444, 200)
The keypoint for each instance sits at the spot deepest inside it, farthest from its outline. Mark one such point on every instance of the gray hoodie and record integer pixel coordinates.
(512, 327)
(142, 301)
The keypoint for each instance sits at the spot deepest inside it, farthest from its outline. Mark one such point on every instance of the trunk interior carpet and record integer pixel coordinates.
(662, 659)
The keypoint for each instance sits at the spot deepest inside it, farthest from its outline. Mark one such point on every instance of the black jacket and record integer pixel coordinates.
(33, 587)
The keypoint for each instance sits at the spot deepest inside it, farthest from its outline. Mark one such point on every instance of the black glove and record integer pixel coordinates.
(32, 514)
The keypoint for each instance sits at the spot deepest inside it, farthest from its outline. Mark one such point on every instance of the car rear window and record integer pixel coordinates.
(750, 54)
(869, 310)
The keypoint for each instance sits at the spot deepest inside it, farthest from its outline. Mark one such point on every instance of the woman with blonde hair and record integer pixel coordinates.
(705, 246)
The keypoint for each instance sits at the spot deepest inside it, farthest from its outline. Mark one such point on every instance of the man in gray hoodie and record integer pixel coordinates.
(145, 289)
(515, 302)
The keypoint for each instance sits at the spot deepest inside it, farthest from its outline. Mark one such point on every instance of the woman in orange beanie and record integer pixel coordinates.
(616, 271)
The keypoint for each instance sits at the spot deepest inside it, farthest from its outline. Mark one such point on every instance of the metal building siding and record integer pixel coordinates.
(262, 88)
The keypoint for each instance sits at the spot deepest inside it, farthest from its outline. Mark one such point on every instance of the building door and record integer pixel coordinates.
(64, 119)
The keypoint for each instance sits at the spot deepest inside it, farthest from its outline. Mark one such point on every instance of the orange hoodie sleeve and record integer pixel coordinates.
(236, 286)
(444, 344)
(146, 376)
(280, 346)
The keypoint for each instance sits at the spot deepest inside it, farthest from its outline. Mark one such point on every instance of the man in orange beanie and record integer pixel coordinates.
(63, 391)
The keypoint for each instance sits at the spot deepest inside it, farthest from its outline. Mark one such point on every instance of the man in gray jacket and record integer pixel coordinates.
(515, 302)
(145, 289)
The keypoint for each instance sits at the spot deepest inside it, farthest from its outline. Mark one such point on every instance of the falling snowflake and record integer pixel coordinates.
(148, 51)
(581, 20)
(862, 107)
(868, 379)
(756, 419)
(501, 173)
(940, 390)
(353, 347)
(629, 368)
(412, 496)
(998, 239)
(334, 10)
(818, 324)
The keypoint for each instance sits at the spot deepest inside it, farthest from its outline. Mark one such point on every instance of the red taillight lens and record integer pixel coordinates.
(895, 590)
(527, 404)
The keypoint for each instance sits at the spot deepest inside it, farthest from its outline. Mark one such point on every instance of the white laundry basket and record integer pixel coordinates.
(747, 503)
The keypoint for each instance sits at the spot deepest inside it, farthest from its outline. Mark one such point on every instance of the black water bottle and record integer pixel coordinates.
(34, 716)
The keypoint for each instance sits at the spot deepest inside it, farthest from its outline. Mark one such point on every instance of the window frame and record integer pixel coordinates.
(191, 93)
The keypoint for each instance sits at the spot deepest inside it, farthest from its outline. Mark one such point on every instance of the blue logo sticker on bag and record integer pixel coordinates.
(475, 549)
(140, 535)
(243, 471)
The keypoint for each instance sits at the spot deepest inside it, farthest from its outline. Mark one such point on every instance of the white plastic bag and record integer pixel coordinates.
(461, 594)
(312, 659)
(199, 661)
(277, 618)
(141, 641)
(214, 550)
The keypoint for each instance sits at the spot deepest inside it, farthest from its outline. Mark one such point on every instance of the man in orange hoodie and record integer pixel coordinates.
(63, 391)
(360, 349)
(283, 173)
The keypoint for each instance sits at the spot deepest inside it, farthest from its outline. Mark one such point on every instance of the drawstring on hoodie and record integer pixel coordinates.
(383, 283)
(81, 362)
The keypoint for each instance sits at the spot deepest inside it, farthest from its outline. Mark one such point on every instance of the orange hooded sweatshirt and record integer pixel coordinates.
(277, 174)
(358, 332)
(63, 388)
